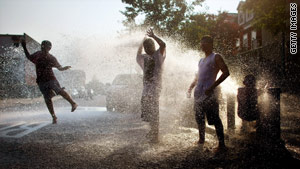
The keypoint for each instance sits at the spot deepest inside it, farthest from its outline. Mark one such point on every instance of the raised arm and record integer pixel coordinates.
(140, 50)
(139, 56)
(54, 63)
(162, 44)
(30, 57)
(63, 68)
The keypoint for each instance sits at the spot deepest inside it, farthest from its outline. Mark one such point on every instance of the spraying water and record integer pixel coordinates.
(105, 58)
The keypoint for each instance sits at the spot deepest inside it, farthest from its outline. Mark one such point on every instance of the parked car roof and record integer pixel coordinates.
(124, 79)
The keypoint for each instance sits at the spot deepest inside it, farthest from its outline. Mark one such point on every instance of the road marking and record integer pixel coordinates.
(79, 108)
(19, 130)
(12, 125)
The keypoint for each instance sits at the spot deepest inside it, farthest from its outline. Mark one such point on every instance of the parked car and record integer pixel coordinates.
(125, 92)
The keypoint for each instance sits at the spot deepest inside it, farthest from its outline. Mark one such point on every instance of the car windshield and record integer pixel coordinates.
(126, 79)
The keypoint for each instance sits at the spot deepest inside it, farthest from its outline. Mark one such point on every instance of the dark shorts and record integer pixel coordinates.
(208, 108)
(47, 88)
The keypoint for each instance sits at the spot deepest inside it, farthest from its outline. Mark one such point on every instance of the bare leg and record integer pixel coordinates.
(220, 132)
(66, 96)
(49, 104)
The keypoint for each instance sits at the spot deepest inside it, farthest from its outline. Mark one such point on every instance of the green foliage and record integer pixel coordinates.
(272, 15)
(166, 16)
(225, 34)
(96, 85)
(177, 19)
(195, 27)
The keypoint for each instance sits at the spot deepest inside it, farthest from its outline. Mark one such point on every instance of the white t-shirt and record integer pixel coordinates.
(152, 67)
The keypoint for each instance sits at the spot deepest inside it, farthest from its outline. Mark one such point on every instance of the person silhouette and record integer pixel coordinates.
(247, 101)
(205, 100)
(151, 64)
(46, 80)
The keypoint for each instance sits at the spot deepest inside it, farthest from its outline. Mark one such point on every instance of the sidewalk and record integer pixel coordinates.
(19, 102)
(290, 134)
(246, 151)
(290, 120)
(290, 128)
(5, 103)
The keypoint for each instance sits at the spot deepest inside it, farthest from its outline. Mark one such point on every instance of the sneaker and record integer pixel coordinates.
(74, 106)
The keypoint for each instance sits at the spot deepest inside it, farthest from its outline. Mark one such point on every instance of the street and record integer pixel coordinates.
(91, 137)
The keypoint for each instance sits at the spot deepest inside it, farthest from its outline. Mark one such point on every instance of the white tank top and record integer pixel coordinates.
(207, 74)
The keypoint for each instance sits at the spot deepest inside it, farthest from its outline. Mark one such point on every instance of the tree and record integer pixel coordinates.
(195, 27)
(272, 15)
(96, 85)
(166, 16)
(177, 19)
(225, 34)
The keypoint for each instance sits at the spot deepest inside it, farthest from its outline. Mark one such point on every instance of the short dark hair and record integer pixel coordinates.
(207, 39)
(250, 80)
(148, 42)
(46, 43)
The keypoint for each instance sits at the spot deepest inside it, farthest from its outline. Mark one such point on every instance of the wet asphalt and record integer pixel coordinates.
(92, 137)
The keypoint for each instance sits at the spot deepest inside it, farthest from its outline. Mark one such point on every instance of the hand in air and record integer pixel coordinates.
(67, 67)
(23, 42)
(150, 32)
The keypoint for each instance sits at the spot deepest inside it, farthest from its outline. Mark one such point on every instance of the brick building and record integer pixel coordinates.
(17, 73)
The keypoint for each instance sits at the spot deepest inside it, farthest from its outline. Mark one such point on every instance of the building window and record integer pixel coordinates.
(253, 35)
(238, 43)
(249, 16)
(245, 41)
(253, 39)
(241, 18)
